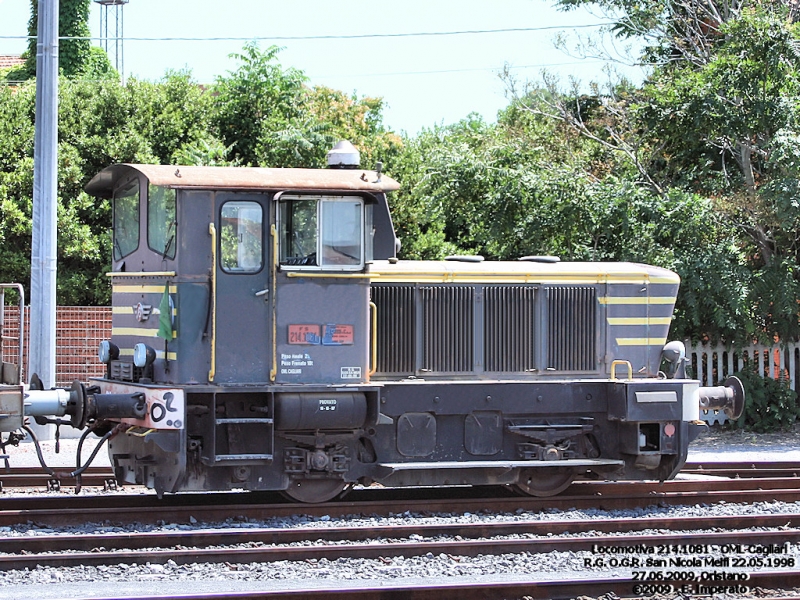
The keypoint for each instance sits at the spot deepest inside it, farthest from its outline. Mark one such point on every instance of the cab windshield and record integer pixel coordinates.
(126, 219)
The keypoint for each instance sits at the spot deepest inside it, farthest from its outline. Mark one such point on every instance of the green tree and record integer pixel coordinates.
(170, 121)
(717, 123)
(267, 116)
(100, 123)
(716, 117)
(259, 110)
(76, 55)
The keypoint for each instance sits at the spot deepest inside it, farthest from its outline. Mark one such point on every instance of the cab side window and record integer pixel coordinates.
(242, 237)
(126, 219)
(299, 232)
(342, 240)
(321, 232)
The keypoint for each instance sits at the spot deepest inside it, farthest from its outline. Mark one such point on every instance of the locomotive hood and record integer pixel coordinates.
(529, 272)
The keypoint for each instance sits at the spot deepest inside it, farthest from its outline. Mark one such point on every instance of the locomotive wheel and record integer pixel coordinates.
(544, 482)
(314, 491)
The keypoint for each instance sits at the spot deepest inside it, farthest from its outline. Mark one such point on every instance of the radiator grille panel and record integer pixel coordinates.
(396, 327)
(572, 316)
(509, 314)
(447, 328)
(444, 317)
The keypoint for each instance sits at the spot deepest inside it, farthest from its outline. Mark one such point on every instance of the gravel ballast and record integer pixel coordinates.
(127, 579)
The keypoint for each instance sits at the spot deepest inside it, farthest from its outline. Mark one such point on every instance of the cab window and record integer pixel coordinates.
(241, 237)
(126, 219)
(322, 232)
(161, 223)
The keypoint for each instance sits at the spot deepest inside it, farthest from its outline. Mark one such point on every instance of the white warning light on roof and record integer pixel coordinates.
(344, 156)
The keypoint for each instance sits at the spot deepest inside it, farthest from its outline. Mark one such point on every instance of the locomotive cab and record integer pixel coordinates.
(242, 296)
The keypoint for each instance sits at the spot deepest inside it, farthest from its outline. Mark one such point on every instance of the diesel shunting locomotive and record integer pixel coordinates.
(266, 337)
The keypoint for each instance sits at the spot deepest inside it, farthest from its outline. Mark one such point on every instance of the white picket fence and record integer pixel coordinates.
(711, 365)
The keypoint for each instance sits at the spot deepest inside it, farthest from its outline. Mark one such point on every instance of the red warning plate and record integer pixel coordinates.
(304, 335)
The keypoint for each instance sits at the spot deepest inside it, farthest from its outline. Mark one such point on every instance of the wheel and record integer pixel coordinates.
(544, 482)
(314, 491)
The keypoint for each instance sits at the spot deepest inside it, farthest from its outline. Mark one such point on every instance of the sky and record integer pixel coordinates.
(424, 80)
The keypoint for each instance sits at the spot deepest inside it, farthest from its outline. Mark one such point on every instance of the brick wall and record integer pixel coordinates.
(79, 330)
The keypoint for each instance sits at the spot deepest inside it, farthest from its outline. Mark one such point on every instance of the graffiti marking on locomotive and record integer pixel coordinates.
(165, 406)
(308, 335)
(338, 335)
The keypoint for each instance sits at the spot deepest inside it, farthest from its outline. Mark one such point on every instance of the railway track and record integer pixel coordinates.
(240, 548)
(744, 469)
(35, 477)
(103, 477)
(66, 510)
(555, 589)
(331, 543)
(635, 570)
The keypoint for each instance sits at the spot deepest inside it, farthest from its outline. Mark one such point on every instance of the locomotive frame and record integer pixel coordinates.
(265, 336)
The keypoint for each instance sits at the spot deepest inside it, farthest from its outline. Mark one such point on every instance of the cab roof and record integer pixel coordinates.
(242, 178)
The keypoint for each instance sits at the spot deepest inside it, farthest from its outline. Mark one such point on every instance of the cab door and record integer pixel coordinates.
(242, 315)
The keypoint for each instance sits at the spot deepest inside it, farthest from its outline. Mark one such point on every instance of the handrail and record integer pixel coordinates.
(274, 371)
(141, 274)
(21, 339)
(213, 370)
(330, 275)
(617, 363)
(374, 357)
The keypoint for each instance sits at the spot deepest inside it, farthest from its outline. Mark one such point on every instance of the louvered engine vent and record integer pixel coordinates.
(572, 325)
(447, 329)
(396, 328)
(509, 326)
(438, 329)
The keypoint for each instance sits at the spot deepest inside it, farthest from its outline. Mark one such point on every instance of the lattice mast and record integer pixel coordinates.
(112, 22)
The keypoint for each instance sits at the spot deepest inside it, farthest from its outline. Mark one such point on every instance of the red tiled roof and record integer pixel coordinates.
(7, 60)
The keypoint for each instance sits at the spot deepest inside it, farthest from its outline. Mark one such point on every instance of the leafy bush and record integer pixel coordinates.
(770, 404)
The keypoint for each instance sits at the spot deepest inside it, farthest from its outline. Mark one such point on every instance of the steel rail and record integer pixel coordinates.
(31, 477)
(521, 587)
(744, 469)
(741, 465)
(282, 535)
(208, 507)
(19, 477)
(386, 549)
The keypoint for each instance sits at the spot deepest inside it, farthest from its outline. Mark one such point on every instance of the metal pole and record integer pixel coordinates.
(42, 343)
(121, 36)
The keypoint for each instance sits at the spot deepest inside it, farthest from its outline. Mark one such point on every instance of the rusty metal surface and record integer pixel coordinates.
(126, 508)
(522, 587)
(244, 178)
(36, 478)
(11, 407)
(101, 555)
(783, 469)
(202, 538)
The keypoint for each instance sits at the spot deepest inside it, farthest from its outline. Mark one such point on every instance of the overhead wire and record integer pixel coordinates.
(360, 36)
(286, 38)
(397, 73)
(468, 70)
